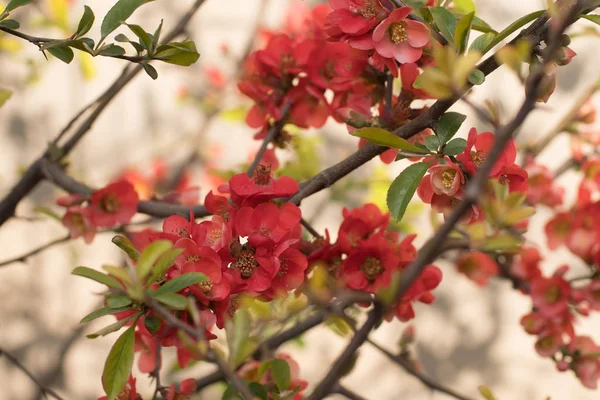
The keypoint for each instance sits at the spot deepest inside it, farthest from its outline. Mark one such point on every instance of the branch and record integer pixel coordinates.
(347, 393)
(33, 175)
(408, 367)
(37, 250)
(45, 390)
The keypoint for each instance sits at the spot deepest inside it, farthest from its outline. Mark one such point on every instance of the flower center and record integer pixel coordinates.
(368, 10)
(182, 231)
(398, 32)
(283, 267)
(245, 263)
(233, 305)
(372, 268)
(192, 258)
(262, 175)
(215, 235)
(110, 203)
(477, 157)
(552, 294)
(205, 286)
(448, 177)
(286, 60)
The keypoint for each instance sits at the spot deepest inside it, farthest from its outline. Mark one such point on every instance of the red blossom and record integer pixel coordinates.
(114, 204)
(478, 267)
(478, 147)
(550, 295)
(400, 38)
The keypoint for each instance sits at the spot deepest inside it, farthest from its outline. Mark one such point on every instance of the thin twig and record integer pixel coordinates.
(46, 390)
(232, 378)
(347, 393)
(310, 229)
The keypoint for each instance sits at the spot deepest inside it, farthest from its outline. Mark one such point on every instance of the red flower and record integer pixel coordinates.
(261, 187)
(550, 295)
(186, 389)
(477, 266)
(446, 179)
(292, 266)
(400, 38)
(478, 147)
(268, 225)
(199, 259)
(353, 18)
(77, 220)
(558, 229)
(370, 266)
(255, 269)
(114, 204)
(128, 392)
(541, 188)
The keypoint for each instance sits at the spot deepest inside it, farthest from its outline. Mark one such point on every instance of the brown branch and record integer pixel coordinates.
(33, 175)
(347, 393)
(37, 250)
(409, 368)
(46, 390)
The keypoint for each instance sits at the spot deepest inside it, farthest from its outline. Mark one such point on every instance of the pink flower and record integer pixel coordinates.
(114, 204)
(550, 296)
(446, 178)
(400, 38)
(77, 220)
(479, 267)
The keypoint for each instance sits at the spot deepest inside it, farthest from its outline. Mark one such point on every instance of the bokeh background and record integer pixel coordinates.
(469, 337)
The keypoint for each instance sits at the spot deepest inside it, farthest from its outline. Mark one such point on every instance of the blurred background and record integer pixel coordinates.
(471, 336)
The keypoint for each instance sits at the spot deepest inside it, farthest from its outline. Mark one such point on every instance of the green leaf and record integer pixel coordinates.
(156, 37)
(258, 390)
(482, 43)
(101, 312)
(150, 70)
(280, 370)
(482, 26)
(178, 53)
(432, 143)
(125, 244)
(462, 32)
(381, 137)
(119, 13)
(111, 50)
(455, 147)
(118, 364)
(513, 27)
(10, 24)
(178, 283)
(448, 125)
(146, 261)
(464, 6)
(97, 276)
(16, 3)
(476, 77)
(238, 332)
(145, 40)
(165, 261)
(86, 22)
(118, 301)
(84, 44)
(112, 327)
(403, 188)
(173, 300)
(486, 393)
(445, 21)
(4, 96)
(593, 18)
(63, 53)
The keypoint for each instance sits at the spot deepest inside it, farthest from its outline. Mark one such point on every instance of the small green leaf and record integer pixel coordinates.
(156, 37)
(403, 188)
(145, 40)
(178, 53)
(10, 24)
(593, 18)
(111, 50)
(464, 6)
(16, 3)
(482, 26)
(180, 282)
(455, 147)
(63, 53)
(164, 262)
(86, 22)
(280, 370)
(462, 32)
(97, 276)
(513, 28)
(119, 13)
(432, 143)
(118, 301)
(112, 327)
(476, 77)
(101, 312)
(152, 323)
(173, 300)
(4, 96)
(125, 244)
(150, 255)
(83, 44)
(381, 137)
(150, 70)
(118, 364)
(258, 390)
(448, 125)
(445, 21)
(238, 332)
(482, 43)
(486, 393)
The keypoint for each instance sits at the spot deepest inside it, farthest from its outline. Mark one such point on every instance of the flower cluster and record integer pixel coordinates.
(367, 255)
(445, 182)
(345, 50)
(112, 205)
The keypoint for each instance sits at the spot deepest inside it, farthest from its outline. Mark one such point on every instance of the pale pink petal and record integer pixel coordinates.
(380, 32)
(404, 53)
(386, 49)
(399, 14)
(418, 33)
